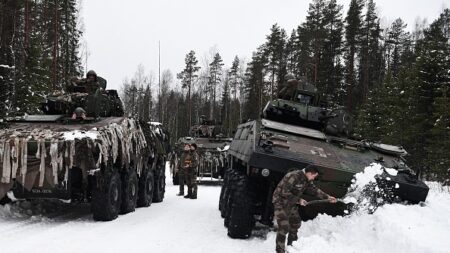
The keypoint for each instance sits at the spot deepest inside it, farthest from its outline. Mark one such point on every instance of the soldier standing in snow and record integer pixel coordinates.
(191, 173)
(184, 163)
(286, 198)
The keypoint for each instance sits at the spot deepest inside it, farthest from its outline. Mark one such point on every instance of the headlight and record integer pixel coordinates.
(265, 172)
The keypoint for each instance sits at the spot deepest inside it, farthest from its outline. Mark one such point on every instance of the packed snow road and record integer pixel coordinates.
(184, 225)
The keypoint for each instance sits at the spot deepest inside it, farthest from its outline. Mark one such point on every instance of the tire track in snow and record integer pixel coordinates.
(44, 222)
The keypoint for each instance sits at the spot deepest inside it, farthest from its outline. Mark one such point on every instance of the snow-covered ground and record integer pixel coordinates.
(184, 225)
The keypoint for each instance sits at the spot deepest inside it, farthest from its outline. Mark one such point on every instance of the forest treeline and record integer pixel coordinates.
(394, 79)
(39, 51)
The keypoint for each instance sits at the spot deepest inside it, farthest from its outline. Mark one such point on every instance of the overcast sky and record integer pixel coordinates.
(122, 34)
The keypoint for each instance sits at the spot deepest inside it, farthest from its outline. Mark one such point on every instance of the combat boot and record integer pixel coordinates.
(291, 239)
(289, 242)
(188, 196)
(194, 193)
(180, 194)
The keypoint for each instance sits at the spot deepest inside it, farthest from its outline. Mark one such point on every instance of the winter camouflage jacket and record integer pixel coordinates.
(291, 189)
(190, 159)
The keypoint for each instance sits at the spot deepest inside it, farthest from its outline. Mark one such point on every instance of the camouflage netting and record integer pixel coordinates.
(45, 156)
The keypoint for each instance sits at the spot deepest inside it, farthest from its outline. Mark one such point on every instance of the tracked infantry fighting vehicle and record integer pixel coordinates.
(212, 148)
(83, 149)
(297, 130)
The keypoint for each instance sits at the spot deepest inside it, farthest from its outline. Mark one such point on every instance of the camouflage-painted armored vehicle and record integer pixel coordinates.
(212, 147)
(294, 133)
(82, 149)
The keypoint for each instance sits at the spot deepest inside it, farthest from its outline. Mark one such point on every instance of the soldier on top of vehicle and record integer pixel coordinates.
(91, 83)
(287, 89)
(286, 198)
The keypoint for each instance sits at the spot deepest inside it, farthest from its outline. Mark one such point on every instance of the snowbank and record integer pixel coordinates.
(76, 134)
(392, 228)
(195, 226)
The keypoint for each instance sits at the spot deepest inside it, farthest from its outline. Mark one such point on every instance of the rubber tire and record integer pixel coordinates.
(228, 197)
(129, 191)
(145, 188)
(241, 219)
(224, 192)
(159, 187)
(106, 198)
(5, 200)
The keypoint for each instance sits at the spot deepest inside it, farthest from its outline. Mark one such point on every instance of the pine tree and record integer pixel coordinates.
(370, 67)
(397, 42)
(254, 85)
(352, 40)
(330, 69)
(274, 53)
(292, 65)
(439, 159)
(433, 77)
(226, 106)
(188, 76)
(8, 24)
(236, 83)
(215, 79)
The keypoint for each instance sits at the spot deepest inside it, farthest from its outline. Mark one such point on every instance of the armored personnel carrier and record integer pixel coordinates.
(83, 149)
(294, 133)
(212, 147)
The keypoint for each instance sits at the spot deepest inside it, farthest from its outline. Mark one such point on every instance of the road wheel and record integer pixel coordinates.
(159, 187)
(241, 219)
(129, 191)
(145, 188)
(106, 196)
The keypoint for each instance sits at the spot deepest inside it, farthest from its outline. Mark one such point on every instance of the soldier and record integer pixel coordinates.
(286, 198)
(79, 113)
(184, 163)
(191, 173)
(287, 90)
(92, 82)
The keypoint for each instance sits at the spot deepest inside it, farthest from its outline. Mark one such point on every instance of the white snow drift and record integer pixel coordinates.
(184, 225)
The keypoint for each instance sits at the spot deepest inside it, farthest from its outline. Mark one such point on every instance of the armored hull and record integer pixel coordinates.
(116, 163)
(263, 151)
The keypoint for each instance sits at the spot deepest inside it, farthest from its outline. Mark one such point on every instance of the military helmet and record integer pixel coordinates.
(79, 113)
(289, 77)
(91, 73)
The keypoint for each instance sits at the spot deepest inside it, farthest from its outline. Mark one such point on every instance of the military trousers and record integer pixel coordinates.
(191, 181)
(288, 220)
(181, 180)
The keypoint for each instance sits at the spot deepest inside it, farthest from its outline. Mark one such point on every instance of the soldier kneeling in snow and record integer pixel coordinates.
(286, 198)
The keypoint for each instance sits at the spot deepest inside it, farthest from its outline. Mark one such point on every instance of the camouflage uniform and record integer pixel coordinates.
(184, 159)
(287, 90)
(286, 198)
(191, 175)
(91, 86)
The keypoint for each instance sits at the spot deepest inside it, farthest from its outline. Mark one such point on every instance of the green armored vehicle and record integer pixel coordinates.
(83, 149)
(298, 129)
(212, 148)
